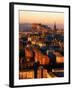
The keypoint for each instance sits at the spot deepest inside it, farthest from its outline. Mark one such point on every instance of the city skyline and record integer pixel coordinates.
(41, 17)
(41, 47)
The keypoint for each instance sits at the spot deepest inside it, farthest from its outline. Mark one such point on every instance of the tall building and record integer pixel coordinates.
(54, 29)
(54, 26)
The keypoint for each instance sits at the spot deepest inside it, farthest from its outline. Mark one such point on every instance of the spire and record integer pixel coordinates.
(55, 26)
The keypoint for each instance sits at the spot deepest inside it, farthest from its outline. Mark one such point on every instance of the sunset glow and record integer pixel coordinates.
(41, 44)
(41, 17)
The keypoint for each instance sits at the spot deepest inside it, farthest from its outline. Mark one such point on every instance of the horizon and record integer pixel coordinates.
(41, 17)
(58, 26)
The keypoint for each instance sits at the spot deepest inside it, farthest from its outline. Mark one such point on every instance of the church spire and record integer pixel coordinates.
(55, 26)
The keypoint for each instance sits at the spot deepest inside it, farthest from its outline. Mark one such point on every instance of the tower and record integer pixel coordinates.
(54, 26)
(54, 29)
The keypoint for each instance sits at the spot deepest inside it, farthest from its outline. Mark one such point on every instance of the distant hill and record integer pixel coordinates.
(26, 27)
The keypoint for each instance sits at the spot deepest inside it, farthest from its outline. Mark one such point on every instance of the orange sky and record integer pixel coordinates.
(41, 17)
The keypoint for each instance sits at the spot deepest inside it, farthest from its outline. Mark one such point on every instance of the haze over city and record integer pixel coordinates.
(48, 18)
(41, 44)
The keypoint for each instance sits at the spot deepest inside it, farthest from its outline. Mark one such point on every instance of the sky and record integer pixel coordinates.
(41, 17)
